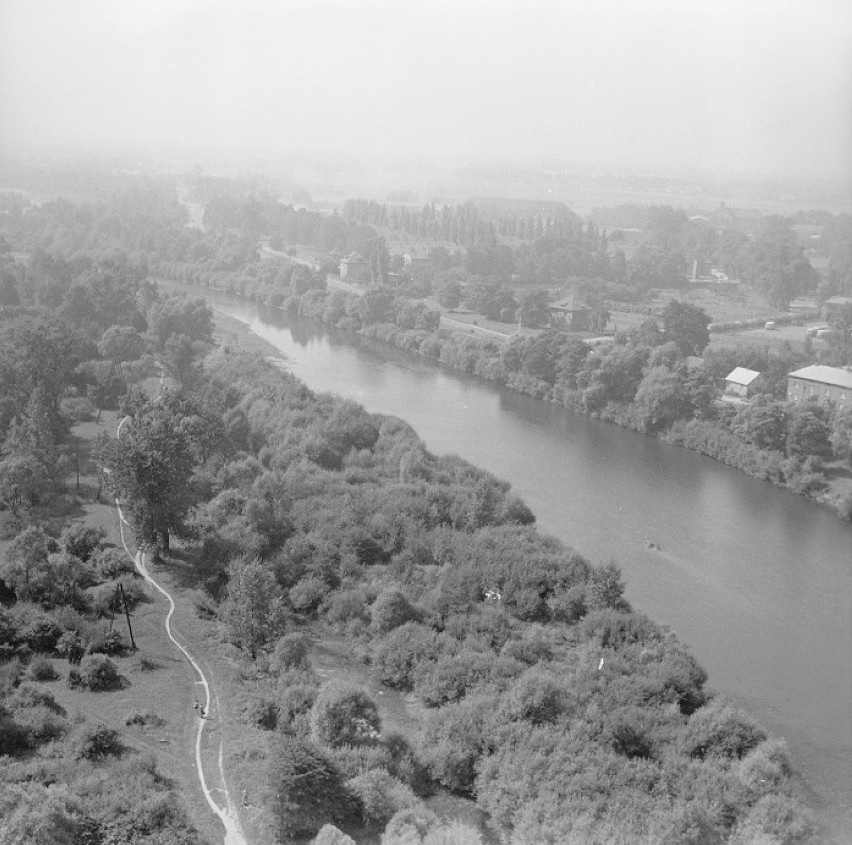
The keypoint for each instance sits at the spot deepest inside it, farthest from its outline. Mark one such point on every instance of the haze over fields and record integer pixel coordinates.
(755, 88)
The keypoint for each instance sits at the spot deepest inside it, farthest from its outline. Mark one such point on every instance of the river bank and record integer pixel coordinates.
(757, 581)
(830, 486)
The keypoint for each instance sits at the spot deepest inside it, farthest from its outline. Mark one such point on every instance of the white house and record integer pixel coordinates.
(742, 382)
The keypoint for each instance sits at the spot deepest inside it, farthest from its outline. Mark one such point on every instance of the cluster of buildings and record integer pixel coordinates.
(356, 268)
(815, 383)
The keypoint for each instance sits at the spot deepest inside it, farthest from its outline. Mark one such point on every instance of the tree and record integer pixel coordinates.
(808, 435)
(24, 566)
(661, 398)
(762, 422)
(23, 481)
(605, 588)
(534, 310)
(449, 293)
(307, 790)
(149, 469)
(119, 344)
(344, 715)
(390, 610)
(253, 611)
(376, 306)
(841, 434)
(177, 315)
(686, 325)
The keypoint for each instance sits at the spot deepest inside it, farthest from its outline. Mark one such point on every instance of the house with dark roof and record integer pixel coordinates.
(354, 267)
(818, 383)
(569, 313)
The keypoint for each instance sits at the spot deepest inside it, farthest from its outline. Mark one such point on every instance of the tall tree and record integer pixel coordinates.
(253, 608)
(686, 325)
(149, 469)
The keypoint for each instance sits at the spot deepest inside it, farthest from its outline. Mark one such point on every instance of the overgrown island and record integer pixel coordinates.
(399, 655)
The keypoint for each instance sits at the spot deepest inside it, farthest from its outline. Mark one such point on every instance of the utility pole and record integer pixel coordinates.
(127, 615)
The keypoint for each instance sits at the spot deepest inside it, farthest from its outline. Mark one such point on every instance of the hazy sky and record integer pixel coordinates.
(763, 86)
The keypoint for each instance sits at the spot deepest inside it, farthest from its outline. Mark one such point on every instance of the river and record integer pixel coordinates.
(755, 579)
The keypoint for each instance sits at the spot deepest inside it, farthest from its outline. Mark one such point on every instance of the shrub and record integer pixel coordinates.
(291, 652)
(346, 605)
(720, 729)
(307, 595)
(96, 742)
(28, 695)
(41, 634)
(13, 737)
(81, 540)
(263, 713)
(450, 677)
(391, 610)
(109, 642)
(453, 740)
(537, 697)
(8, 629)
(41, 669)
(403, 764)
(98, 673)
(765, 768)
(399, 653)
(41, 724)
(112, 563)
(775, 818)
(10, 677)
(571, 606)
(409, 826)
(353, 760)
(142, 719)
(37, 814)
(344, 715)
(330, 835)
(70, 646)
(295, 700)
(381, 795)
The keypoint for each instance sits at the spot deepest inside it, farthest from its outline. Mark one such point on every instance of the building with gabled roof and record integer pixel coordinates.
(354, 267)
(818, 383)
(743, 382)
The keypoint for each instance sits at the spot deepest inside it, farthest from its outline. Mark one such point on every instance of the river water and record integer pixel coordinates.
(755, 579)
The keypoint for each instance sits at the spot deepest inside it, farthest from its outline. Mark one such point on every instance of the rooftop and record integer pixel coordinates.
(742, 375)
(835, 376)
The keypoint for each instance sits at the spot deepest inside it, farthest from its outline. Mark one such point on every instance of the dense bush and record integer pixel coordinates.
(721, 729)
(98, 741)
(397, 655)
(41, 669)
(344, 715)
(381, 795)
(390, 610)
(98, 673)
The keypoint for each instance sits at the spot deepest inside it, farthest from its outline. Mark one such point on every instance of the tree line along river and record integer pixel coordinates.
(755, 579)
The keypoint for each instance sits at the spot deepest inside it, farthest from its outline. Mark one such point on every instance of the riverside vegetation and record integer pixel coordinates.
(545, 698)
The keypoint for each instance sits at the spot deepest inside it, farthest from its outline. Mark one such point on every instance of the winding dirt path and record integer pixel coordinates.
(228, 814)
